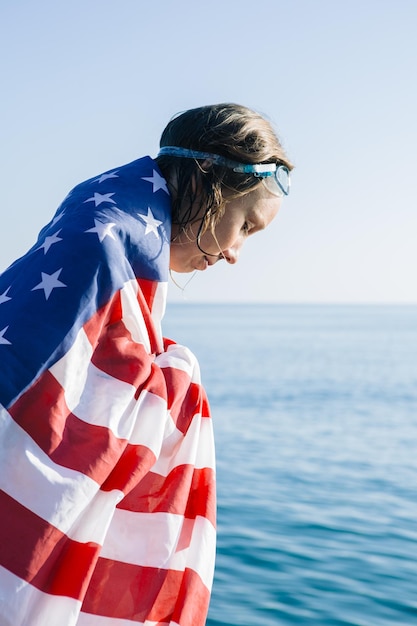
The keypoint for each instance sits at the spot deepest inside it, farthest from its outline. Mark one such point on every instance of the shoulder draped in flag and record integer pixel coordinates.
(107, 476)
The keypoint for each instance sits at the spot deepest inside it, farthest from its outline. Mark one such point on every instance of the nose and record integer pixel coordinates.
(231, 255)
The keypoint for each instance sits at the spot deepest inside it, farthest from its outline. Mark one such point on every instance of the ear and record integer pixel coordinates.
(194, 184)
(204, 167)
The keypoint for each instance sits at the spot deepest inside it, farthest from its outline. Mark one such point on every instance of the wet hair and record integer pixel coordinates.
(230, 130)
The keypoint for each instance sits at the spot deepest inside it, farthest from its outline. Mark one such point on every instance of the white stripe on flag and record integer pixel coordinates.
(152, 422)
(200, 554)
(196, 448)
(21, 604)
(124, 542)
(104, 401)
(71, 370)
(132, 315)
(55, 493)
(159, 305)
(180, 358)
(87, 619)
(93, 524)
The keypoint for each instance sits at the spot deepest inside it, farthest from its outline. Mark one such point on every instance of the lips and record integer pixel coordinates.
(204, 262)
(212, 260)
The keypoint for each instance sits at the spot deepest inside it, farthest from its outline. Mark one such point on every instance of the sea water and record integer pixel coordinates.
(315, 417)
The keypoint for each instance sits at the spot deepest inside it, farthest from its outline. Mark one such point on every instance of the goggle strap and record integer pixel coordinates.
(248, 168)
(260, 170)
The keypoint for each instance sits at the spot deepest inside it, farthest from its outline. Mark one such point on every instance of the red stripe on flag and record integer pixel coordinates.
(145, 297)
(185, 491)
(148, 288)
(185, 398)
(193, 601)
(121, 357)
(131, 468)
(110, 313)
(40, 554)
(68, 441)
(125, 591)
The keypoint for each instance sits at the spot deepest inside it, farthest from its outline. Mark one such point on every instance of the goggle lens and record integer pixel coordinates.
(282, 176)
(279, 182)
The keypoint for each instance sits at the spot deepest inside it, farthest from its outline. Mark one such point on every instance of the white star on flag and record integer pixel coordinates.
(151, 223)
(49, 282)
(102, 229)
(157, 181)
(57, 218)
(104, 177)
(49, 241)
(3, 339)
(98, 198)
(4, 297)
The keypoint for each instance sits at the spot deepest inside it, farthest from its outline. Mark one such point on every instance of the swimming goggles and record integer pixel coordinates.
(272, 174)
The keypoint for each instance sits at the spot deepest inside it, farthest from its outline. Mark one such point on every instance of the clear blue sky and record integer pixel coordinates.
(88, 85)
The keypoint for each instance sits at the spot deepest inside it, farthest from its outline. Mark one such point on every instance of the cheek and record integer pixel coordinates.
(221, 240)
(229, 233)
(180, 255)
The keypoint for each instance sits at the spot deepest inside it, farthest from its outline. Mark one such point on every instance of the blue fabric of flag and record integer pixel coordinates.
(108, 230)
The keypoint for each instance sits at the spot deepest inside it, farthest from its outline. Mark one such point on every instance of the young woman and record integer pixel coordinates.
(106, 449)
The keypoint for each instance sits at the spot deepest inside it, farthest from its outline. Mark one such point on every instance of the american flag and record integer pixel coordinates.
(107, 494)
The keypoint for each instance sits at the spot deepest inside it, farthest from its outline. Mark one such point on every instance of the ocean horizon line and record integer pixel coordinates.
(185, 301)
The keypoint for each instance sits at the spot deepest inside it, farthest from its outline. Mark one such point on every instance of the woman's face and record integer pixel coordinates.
(242, 218)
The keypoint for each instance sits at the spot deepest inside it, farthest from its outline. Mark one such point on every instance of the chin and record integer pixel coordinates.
(181, 270)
